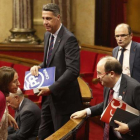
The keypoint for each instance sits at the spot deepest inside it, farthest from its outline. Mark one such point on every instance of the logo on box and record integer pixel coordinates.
(46, 77)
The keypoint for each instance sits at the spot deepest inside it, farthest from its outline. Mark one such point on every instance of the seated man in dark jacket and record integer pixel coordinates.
(28, 116)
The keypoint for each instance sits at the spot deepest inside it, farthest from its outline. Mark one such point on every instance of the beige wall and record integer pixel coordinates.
(38, 22)
(6, 18)
(133, 15)
(83, 14)
(83, 17)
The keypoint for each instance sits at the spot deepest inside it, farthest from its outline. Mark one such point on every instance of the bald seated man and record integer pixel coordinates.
(27, 116)
(109, 71)
(131, 53)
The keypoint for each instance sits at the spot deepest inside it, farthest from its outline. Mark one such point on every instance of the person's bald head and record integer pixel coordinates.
(110, 64)
(123, 34)
(108, 71)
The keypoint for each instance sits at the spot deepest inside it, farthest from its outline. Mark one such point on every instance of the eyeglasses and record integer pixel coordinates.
(101, 75)
(122, 35)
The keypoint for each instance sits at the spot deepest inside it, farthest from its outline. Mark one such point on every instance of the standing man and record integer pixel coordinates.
(62, 51)
(28, 117)
(127, 51)
(109, 71)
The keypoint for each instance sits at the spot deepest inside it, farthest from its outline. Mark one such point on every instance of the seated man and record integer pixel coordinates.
(109, 72)
(28, 116)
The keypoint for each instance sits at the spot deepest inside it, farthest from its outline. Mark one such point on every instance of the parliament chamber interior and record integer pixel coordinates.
(93, 25)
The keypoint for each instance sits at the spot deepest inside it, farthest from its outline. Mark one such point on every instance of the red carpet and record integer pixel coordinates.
(95, 131)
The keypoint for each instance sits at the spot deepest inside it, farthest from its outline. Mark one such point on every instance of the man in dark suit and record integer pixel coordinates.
(131, 53)
(28, 117)
(61, 50)
(109, 71)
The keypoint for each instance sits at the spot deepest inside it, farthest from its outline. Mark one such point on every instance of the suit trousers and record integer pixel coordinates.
(51, 120)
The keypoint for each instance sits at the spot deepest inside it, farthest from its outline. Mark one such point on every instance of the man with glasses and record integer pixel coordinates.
(116, 84)
(127, 51)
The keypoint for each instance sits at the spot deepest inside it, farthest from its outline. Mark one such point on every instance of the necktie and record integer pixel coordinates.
(121, 56)
(107, 127)
(50, 50)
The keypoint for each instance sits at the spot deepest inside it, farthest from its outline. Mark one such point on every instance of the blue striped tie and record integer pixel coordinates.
(121, 56)
(50, 50)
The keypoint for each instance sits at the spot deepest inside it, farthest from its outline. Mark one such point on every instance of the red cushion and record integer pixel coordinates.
(87, 65)
(11, 111)
(4, 63)
(136, 38)
(87, 61)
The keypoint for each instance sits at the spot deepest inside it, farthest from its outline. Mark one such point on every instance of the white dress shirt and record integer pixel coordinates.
(126, 58)
(115, 95)
(55, 36)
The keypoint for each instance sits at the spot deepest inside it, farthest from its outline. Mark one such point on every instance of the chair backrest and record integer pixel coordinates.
(4, 63)
(136, 38)
(87, 60)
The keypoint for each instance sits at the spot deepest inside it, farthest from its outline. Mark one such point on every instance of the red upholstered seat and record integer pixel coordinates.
(4, 63)
(11, 111)
(87, 64)
(87, 61)
(136, 38)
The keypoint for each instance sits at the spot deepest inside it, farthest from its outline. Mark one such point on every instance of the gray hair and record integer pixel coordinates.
(18, 93)
(52, 7)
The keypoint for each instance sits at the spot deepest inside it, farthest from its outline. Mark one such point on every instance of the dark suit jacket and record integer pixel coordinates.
(130, 92)
(134, 60)
(65, 91)
(28, 119)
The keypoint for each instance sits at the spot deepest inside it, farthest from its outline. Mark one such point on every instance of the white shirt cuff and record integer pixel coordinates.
(88, 111)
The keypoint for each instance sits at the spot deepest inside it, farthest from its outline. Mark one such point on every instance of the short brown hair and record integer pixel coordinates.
(6, 76)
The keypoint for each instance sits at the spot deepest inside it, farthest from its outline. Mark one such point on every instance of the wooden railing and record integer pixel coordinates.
(97, 49)
(18, 60)
(70, 129)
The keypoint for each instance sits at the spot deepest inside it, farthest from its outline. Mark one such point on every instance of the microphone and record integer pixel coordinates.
(95, 80)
